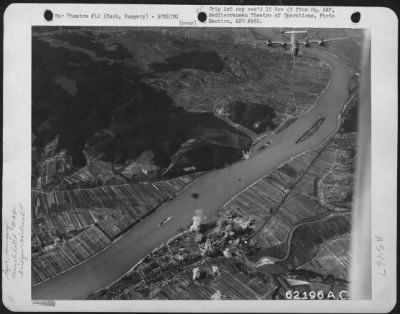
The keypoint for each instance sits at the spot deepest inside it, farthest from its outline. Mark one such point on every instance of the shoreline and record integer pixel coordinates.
(181, 207)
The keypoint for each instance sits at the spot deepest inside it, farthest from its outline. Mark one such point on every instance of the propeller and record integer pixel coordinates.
(307, 42)
(321, 42)
(268, 41)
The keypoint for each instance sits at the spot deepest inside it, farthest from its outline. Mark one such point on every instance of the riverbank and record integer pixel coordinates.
(214, 189)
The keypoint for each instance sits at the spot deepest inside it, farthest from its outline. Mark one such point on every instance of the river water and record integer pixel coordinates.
(214, 189)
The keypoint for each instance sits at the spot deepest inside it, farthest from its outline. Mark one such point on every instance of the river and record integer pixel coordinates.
(214, 189)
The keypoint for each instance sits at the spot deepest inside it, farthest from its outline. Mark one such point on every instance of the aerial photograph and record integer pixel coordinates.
(193, 163)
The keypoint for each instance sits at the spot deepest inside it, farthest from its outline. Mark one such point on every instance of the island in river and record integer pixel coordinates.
(106, 189)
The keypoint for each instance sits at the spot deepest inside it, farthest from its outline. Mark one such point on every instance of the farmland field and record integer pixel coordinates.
(200, 165)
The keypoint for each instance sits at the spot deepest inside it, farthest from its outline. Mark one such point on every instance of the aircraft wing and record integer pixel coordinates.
(314, 41)
(269, 41)
(272, 43)
(280, 43)
(337, 38)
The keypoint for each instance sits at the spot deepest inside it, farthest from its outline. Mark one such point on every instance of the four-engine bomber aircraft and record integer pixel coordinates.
(294, 44)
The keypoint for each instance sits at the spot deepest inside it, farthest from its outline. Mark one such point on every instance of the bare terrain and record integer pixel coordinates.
(134, 130)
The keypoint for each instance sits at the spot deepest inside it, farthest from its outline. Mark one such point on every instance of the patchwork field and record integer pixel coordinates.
(167, 105)
(179, 271)
(233, 281)
(67, 254)
(306, 200)
(332, 257)
(70, 226)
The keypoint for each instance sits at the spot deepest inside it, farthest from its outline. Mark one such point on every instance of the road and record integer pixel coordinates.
(214, 189)
(272, 260)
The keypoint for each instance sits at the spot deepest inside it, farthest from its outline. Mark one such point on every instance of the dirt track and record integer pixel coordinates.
(214, 190)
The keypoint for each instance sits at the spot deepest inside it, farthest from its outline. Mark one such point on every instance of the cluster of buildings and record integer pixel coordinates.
(224, 236)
